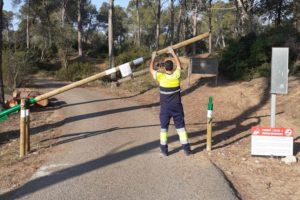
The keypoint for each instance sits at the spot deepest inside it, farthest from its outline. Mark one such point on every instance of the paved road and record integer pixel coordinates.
(111, 152)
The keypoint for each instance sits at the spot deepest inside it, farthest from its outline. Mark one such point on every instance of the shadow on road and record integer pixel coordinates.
(78, 170)
(75, 171)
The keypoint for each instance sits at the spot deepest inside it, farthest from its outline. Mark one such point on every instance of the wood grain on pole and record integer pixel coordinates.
(22, 127)
(72, 85)
(209, 134)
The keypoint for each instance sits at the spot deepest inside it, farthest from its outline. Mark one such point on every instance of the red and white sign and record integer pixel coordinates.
(272, 141)
(261, 131)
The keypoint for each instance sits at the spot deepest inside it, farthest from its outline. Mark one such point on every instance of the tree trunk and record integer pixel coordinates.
(27, 27)
(278, 12)
(179, 22)
(172, 22)
(79, 27)
(157, 24)
(195, 15)
(245, 15)
(1, 75)
(63, 12)
(237, 20)
(296, 14)
(210, 27)
(138, 23)
(110, 38)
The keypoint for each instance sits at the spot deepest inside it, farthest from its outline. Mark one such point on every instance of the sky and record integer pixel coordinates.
(97, 3)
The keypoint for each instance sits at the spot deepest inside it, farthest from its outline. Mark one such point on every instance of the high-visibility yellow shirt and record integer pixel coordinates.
(168, 80)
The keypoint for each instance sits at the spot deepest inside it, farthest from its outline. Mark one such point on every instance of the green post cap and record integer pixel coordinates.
(210, 103)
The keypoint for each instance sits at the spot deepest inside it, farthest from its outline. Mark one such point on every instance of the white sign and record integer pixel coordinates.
(280, 70)
(125, 69)
(272, 141)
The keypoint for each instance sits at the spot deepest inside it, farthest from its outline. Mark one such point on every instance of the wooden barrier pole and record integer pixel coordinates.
(209, 124)
(27, 130)
(184, 43)
(22, 127)
(108, 72)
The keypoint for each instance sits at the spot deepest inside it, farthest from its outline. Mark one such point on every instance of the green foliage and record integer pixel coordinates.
(16, 66)
(130, 53)
(76, 71)
(251, 55)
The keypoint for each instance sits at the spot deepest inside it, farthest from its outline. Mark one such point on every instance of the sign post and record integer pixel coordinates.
(279, 77)
(272, 141)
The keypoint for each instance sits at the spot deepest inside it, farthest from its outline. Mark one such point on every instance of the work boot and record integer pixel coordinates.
(164, 150)
(187, 149)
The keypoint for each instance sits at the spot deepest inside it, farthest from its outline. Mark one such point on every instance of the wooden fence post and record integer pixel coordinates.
(22, 127)
(209, 124)
(27, 130)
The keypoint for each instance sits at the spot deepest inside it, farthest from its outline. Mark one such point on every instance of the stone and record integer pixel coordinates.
(289, 160)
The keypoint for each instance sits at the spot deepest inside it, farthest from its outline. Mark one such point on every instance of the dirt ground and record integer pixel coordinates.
(237, 107)
(14, 170)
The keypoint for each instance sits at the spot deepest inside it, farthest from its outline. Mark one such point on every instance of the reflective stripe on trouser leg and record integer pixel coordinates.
(163, 136)
(183, 137)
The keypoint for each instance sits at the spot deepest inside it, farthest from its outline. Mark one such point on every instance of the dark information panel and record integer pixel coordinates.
(204, 66)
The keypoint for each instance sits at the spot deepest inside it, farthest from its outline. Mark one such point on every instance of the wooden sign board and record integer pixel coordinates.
(204, 66)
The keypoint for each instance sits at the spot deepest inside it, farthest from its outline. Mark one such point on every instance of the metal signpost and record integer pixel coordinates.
(279, 77)
(272, 141)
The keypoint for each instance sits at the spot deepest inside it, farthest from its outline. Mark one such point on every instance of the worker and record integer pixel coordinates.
(170, 102)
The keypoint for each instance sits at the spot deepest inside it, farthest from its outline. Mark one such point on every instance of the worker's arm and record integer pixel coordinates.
(177, 62)
(151, 66)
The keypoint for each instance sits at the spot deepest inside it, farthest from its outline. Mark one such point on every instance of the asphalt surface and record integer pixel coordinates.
(111, 151)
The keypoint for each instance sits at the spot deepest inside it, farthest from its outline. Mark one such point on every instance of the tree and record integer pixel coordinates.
(195, 21)
(1, 75)
(110, 38)
(79, 26)
(296, 14)
(138, 23)
(172, 13)
(158, 23)
(275, 10)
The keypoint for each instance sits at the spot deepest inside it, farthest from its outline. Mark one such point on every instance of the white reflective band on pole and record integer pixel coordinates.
(110, 71)
(27, 112)
(23, 113)
(125, 69)
(138, 61)
(209, 113)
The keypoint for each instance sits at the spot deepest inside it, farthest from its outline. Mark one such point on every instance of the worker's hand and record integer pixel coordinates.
(170, 50)
(154, 54)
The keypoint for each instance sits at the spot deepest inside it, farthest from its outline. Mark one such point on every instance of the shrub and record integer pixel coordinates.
(130, 53)
(16, 66)
(76, 71)
(250, 56)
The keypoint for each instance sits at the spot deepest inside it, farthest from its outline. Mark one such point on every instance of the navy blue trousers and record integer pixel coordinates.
(171, 110)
